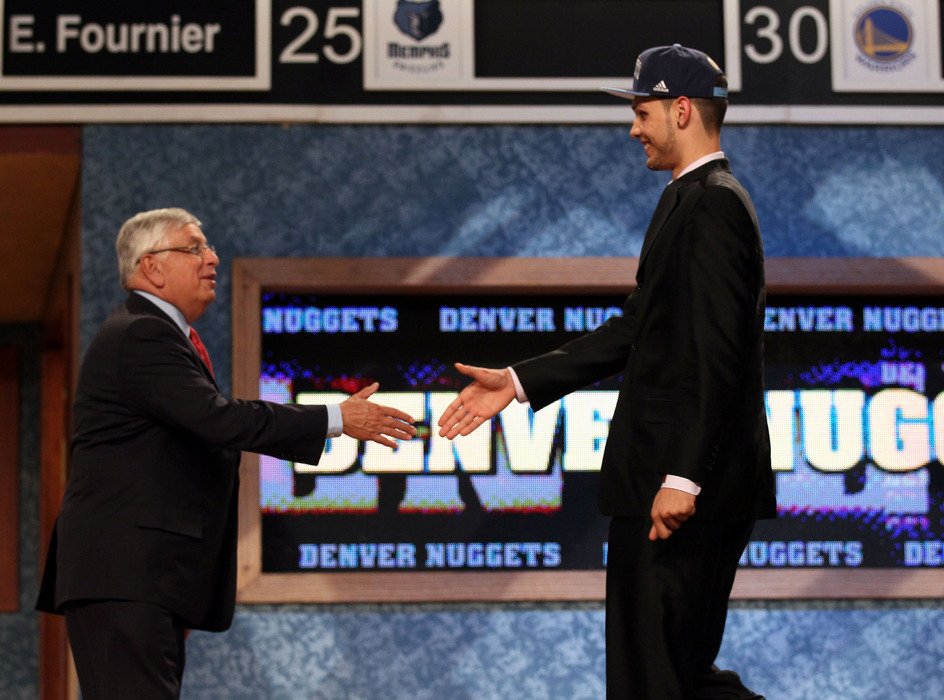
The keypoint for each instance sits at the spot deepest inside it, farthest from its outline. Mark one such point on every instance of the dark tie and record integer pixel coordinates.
(201, 349)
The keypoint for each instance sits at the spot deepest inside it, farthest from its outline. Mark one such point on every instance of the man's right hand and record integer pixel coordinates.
(484, 398)
(365, 420)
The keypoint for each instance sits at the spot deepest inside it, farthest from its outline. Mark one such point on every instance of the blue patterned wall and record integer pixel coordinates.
(511, 191)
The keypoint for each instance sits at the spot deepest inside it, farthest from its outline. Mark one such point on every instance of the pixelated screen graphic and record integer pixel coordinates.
(853, 400)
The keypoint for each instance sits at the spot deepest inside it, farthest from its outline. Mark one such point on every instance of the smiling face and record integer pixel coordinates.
(656, 132)
(185, 279)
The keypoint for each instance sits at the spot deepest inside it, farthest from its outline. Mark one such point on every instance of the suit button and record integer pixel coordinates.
(633, 347)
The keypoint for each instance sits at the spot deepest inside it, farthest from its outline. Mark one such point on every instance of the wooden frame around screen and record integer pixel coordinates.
(251, 276)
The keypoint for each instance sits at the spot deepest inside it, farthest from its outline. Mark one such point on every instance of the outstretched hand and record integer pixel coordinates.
(484, 398)
(670, 509)
(366, 420)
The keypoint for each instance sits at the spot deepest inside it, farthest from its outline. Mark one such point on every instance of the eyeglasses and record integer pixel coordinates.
(198, 249)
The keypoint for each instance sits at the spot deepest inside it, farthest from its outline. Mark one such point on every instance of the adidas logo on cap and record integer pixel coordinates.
(691, 72)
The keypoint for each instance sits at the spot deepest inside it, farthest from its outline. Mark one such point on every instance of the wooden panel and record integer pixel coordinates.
(59, 365)
(39, 175)
(9, 479)
(40, 139)
(36, 192)
(54, 647)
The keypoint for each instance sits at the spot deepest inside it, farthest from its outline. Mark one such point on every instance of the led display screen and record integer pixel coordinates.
(852, 401)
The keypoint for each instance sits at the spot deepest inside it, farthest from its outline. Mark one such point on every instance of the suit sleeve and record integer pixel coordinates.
(717, 304)
(591, 357)
(160, 378)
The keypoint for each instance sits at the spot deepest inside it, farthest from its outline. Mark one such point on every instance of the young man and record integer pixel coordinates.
(686, 470)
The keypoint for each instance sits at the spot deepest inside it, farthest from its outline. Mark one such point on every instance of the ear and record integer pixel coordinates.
(682, 111)
(151, 269)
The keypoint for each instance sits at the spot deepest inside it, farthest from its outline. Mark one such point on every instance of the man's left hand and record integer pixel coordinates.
(670, 509)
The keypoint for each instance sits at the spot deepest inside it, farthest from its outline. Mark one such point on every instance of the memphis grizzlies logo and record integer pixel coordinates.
(418, 19)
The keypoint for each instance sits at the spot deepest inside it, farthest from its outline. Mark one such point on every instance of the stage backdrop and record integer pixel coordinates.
(567, 191)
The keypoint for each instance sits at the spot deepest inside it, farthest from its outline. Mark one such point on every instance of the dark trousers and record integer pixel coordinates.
(666, 606)
(126, 650)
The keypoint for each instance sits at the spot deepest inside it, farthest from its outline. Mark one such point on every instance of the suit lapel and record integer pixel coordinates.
(140, 304)
(666, 205)
(670, 199)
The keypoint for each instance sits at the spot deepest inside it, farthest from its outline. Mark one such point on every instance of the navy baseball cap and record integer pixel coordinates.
(673, 71)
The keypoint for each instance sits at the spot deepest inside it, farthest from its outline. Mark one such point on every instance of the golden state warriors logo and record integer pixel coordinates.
(884, 36)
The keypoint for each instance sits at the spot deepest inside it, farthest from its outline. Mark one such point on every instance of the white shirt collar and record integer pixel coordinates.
(717, 155)
(176, 315)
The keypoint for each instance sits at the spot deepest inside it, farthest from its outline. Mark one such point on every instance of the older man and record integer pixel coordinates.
(145, 543)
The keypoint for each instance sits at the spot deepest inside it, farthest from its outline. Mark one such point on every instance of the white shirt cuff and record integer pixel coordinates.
(519, 390)
(335, 420)
(680, 483)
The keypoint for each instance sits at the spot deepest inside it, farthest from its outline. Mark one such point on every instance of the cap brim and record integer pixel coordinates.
(625, 94)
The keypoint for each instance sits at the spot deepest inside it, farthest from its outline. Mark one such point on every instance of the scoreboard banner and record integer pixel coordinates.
(458, 60)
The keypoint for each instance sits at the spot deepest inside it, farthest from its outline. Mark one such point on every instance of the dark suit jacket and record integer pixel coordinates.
(150, 507)
(689, 347)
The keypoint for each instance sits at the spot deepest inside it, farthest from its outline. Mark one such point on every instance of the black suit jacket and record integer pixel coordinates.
(150, 508)
(689, 347)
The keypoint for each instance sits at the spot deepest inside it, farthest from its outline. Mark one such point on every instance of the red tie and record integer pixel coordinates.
(201, 349)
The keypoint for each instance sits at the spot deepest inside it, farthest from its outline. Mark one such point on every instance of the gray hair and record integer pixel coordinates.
(142, 232)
